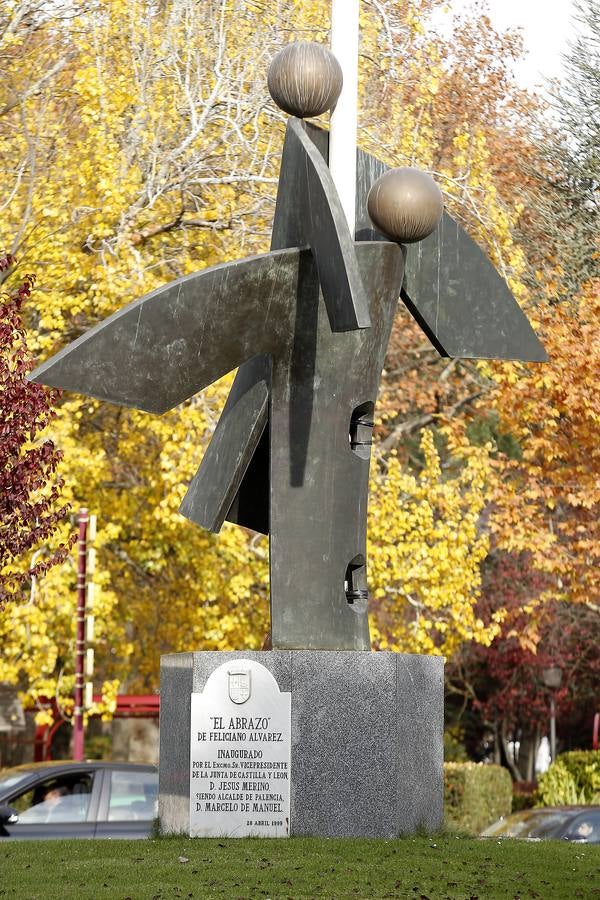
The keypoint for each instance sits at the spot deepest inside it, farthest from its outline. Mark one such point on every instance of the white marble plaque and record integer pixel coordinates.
(240, 754)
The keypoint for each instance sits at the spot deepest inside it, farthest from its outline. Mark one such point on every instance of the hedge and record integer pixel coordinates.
(524, 795)
(475, 795)
(573, 778)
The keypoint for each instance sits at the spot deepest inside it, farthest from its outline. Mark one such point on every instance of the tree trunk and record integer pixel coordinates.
(497, 748)
(508, 756)
(530, 743)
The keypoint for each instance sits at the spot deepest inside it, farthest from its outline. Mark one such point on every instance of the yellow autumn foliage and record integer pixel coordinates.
(426, 545)
(142, 146)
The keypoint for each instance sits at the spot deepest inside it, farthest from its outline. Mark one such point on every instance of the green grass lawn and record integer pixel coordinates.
(420, 867)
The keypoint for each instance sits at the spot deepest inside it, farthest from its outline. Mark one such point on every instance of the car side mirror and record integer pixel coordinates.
(8, 815)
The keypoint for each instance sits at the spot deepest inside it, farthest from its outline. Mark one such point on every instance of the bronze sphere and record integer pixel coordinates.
(406, 204)
(305, 79)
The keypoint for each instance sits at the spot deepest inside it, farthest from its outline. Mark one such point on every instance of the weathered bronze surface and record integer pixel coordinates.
(308, 211)
(290, 456)
(319, 484)
(162, 349)
(405, 204)
(305, 79)
(451, 288)
(434, 280)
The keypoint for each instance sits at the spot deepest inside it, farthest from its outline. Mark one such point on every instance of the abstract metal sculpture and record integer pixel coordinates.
(308, 325)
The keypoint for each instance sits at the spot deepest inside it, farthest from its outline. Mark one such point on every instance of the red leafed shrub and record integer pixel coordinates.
(523, 795)
(29, 490)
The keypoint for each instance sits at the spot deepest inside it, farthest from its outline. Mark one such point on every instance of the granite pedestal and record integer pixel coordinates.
(367, 738)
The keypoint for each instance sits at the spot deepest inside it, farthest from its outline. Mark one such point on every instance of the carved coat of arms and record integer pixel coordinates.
(239, 686)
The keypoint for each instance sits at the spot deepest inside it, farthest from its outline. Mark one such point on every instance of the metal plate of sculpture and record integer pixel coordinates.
(308, 324)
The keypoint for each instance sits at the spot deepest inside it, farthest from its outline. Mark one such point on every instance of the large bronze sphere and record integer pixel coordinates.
(305, 79)
(406, 204)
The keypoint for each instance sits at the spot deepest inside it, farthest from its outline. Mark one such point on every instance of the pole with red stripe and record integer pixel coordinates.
(78, 730)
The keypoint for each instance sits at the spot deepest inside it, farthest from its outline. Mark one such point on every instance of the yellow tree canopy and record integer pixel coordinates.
(548, 501)
(139, 144)
(426, 545)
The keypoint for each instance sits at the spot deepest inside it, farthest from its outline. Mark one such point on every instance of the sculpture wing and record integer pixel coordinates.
(461, 302)
(309, 211)
(233, 479)
(160, 350)
(451, 288)
(239, 449)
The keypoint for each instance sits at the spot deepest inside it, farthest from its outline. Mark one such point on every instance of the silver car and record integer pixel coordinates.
(569, 823)
(77, 799)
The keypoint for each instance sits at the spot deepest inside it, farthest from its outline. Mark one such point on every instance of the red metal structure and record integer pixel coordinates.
(129, 706)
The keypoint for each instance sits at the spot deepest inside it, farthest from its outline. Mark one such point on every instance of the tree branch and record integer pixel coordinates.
(407, 427)
(36, 87)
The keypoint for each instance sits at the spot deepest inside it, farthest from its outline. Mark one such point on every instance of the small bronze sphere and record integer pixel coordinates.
(305, 79)
(406, 204)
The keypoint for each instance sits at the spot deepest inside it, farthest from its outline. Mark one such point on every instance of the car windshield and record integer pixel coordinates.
(517, 825)
(546, 824)
(10, 778)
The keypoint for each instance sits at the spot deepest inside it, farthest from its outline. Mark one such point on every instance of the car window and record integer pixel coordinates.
(524, 828)
(585, 828)
(133, 796)
(547, 824)
(63, 798)
(8, 780)
(515, 825)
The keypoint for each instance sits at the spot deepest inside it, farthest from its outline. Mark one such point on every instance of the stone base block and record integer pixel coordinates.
(367, 738)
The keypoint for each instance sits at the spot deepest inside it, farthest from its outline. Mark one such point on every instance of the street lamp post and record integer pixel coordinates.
(552, 678)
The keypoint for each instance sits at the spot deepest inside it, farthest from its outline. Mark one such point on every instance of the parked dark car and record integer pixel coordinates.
(569, 823)
(69, 799)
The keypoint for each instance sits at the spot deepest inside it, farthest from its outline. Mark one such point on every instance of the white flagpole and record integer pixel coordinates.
(342, 141)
